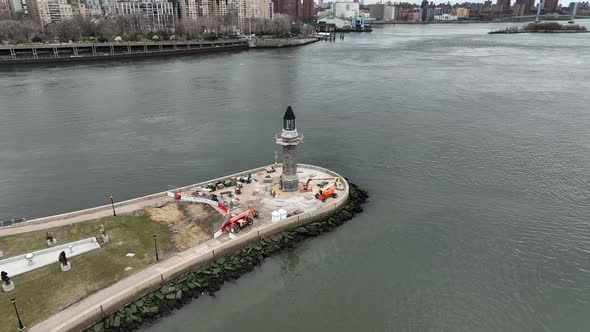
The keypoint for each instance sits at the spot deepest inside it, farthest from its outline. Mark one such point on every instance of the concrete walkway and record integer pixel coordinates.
(74, 317)
(18, 265)
(33, 225)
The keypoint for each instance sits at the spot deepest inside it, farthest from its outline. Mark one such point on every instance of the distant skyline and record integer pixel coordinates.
(368, 2)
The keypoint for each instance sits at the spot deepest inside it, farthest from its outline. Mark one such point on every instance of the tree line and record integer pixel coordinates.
(132, 28)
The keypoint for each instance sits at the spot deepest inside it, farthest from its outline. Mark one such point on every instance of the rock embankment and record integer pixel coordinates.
(191, 285)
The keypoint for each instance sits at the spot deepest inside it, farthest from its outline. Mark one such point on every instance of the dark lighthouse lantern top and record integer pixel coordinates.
(289, 119)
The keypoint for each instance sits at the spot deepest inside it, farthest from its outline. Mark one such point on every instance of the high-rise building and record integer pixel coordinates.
(255, 8)
(523, 7)
(345, 9)
(382, 12)
(462, 12)
(93, 7)
(47, 11)
(292, 8)
(503, 5)
(154, 14)
(78, 7)
(192, 9)
(424, 10)
(308, 9)
(6, 9)
(550, 6)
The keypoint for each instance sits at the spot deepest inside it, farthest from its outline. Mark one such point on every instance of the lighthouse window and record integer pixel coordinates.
(289, 124)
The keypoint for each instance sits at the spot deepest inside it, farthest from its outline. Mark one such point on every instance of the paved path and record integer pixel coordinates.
(64, 320)
(31, 225)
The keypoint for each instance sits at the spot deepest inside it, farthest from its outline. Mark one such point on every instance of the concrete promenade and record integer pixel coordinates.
(98, 305)
(104, 210)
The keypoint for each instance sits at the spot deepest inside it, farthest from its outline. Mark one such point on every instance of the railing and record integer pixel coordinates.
(12, 222)
(16, 53)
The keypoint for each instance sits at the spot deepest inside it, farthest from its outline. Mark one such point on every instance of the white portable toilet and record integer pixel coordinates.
(275, 216)
(283, 213)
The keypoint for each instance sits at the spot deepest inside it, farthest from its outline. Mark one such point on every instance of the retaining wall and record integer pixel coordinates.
(279, 42)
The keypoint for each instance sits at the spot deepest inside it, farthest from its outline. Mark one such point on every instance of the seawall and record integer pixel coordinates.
(39, 53)
(100, 305)
(279, 42)
(208, 277)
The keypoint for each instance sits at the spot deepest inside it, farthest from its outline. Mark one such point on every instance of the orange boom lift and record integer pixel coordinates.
(327, 192)
(308, 188)
(239, 221)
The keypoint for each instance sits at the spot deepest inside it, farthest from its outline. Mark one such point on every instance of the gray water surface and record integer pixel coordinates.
(475, 149)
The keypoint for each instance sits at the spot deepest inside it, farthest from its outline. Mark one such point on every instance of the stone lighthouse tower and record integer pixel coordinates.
(289, 139)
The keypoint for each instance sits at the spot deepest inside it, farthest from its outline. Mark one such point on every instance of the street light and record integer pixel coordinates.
(113, 206)
(20, 323)
(156, 247)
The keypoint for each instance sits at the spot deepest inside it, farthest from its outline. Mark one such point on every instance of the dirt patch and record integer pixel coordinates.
(167, 214)
(189, 223)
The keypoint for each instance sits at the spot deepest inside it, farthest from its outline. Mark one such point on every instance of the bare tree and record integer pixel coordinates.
(19, 31)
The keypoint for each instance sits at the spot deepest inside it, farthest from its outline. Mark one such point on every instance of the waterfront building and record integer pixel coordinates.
(424, 10)
(48, 11)
(93, 7)
(382, 12)
(550, 6)
(16, 6)
(445, 17)
(193, 9)
(78, 8)
(503, 5)
(108, 7)
(338, 22)
(292, 8)
(523, 7)
(153, 15)
(408, 14)
(308, 9)
(6, 9)
(462, 12)
(345, 9)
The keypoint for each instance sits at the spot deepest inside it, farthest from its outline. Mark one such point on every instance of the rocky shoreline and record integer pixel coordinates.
(174, 294)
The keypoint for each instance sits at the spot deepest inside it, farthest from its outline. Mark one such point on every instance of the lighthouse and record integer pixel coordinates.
(289, 138)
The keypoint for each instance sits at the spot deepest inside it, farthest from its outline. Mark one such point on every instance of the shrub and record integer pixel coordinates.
(211, 37)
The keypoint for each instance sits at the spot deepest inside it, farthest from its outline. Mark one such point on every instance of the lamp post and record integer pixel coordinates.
(113, 206)
(20, 323)
(156, 247)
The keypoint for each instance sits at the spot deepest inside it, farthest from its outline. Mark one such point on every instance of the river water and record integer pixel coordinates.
(475, 149)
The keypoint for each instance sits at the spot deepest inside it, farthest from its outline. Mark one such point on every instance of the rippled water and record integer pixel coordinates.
(475, 148)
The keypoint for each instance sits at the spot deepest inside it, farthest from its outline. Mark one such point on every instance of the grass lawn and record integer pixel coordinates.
(46, 291)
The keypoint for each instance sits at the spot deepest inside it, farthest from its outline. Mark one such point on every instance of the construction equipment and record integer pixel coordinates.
(308, 188)
(327, 192)
(236, 222)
